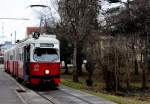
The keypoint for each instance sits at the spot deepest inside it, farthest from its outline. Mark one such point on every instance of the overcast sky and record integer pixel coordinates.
(17, 9)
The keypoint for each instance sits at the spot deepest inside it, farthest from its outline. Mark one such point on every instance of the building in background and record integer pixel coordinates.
(1, 54)
(6, 45)
(31, 30)
(3, 48)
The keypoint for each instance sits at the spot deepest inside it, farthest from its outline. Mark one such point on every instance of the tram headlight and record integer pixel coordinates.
(46, 71)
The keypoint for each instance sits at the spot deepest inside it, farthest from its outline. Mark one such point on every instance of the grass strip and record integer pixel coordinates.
(116, 99)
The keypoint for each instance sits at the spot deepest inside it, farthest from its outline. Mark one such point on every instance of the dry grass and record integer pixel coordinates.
(137, 96)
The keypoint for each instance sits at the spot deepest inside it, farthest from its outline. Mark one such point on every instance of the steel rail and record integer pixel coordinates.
(48, 99)
(76, 97)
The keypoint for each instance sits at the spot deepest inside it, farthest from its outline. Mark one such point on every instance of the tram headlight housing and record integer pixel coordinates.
(47, 71)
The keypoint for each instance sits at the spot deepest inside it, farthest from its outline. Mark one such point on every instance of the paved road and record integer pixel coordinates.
(7, 90)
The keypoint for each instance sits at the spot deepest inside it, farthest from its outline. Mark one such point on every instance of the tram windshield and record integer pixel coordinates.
(45, 54)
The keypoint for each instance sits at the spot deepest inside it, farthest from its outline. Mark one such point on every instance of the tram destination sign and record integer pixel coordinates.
(46, 45)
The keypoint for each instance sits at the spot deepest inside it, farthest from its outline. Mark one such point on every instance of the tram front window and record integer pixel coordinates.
(45, 54)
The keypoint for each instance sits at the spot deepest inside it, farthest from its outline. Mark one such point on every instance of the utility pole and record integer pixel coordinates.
(2, 28)
(15, 38)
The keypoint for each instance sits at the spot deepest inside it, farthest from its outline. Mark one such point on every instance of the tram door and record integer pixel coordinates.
(27, 62)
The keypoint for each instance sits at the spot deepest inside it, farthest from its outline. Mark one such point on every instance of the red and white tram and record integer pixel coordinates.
(35, 60)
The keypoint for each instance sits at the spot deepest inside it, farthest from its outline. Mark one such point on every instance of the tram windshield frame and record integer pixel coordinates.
(45, 54)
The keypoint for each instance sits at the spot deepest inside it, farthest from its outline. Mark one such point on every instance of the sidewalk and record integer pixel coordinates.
(7, 89)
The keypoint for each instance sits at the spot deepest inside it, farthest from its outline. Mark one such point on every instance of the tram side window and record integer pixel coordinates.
(7, 56)
(1, 59)
(11, 57)
(20, 57)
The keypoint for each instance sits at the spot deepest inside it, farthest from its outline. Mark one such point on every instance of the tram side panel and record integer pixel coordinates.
(11, 66)
(16, 68)
(20, 71)
(16, 62)
(6, 62)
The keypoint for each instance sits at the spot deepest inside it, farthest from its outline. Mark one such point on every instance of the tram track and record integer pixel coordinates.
(50, 99)
(76, 97)
(66, 96)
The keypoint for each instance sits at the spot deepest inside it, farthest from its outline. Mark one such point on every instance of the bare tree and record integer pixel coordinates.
(134, 20)
(80, 18)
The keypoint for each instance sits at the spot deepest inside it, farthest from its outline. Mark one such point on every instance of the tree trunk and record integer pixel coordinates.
(143, 79)
(128, 80)
(127, 77)
(66, 68)
(79, 60)
(90, 66)
(89, 81)
(143, 76)
(136, 67)
(116, 71)
(79, 66)
(75, 72)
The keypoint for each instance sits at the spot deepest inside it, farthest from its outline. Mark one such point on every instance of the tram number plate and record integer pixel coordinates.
(46, 80)
(46, 45)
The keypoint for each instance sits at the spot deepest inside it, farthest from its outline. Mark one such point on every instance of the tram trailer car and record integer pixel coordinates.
(35, 60)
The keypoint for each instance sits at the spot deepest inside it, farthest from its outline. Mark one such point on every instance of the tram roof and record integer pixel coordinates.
(42, 39)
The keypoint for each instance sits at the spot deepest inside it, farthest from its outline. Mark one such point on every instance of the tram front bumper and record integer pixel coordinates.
(44, 79)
